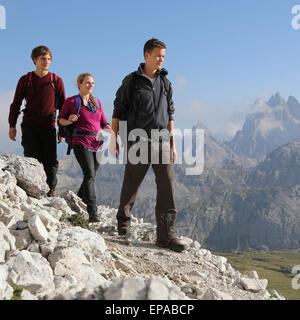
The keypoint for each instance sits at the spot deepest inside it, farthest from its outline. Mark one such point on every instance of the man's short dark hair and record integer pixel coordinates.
(153, 43)
(40, 51)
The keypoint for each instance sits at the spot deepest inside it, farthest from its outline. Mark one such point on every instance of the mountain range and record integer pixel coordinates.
(269, 125)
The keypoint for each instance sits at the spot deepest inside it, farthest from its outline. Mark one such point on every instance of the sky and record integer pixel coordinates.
(221, 55)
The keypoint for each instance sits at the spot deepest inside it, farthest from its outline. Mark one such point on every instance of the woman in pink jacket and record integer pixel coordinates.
(85, 139)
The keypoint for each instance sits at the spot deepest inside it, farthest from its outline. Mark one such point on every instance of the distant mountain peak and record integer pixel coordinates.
(200, 125)
(276, 100)
(259, 101)
(294, 107)
(292, 101)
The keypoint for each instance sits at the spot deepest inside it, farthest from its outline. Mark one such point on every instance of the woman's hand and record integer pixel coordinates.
(108, 129)
(64, 122)
(73, 118)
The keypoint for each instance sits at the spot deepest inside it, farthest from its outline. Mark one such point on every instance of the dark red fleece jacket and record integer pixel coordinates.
(40, 98)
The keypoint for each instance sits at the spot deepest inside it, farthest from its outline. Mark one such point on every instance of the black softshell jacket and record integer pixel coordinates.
(150, 105)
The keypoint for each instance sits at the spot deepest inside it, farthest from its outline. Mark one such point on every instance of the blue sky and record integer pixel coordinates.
(221, 55)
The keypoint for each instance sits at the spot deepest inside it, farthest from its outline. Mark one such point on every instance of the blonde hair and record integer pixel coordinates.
(80, 79)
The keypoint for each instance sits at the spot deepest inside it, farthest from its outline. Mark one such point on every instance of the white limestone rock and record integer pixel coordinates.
(220, 262)
(23, 238)
(34, 247)
(254, 285)
(75, 203)
(122, 263)
(29, 173)
(72, 261)
(60, 204)
(194, 276)
(26, 295)
(66, 287)
(48, 220)
(8, 182)
(9, 214)
(252, 275)
(187, 241)
(55, 213)
(162, 289)
(195, 244)
(89, 242)
(5, 208)
(7, 242)
(6, 291)
(126, 289)
(31, 271)
(22, 225)
(215, 294)
(275, 295)
(47, 248)
(38, 229)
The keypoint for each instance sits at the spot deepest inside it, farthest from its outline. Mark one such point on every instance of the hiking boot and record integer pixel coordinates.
(94, 218)
(123, 231)
(51, 193)
(173, 244)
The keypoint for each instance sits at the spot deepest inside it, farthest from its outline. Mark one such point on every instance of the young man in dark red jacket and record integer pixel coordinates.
(44, 92)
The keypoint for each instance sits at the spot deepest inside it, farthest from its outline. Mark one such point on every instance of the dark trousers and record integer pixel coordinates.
(165, 209)
(40, 143)
(89, 162)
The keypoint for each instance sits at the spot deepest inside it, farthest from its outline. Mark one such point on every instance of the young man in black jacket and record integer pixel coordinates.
(144, 100)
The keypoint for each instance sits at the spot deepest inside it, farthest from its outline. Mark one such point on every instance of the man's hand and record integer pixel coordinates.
(114, 148)
(60, 139)
(174, 154)
(12, 133)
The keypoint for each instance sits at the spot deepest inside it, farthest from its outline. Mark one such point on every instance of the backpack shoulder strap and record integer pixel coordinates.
(53, 80)
(77, 104)
(167, 86)
(28, 83)
(71, 127)
(53, 84)
(28, 80)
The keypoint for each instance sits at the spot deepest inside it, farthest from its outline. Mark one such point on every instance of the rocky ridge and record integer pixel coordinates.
(46, 256)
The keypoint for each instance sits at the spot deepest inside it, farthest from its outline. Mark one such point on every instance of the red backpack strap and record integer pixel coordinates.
(53, 84)
(28, 81)
(53, 80)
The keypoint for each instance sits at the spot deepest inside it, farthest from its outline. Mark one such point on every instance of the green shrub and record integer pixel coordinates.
(79, 220)
(17, 291)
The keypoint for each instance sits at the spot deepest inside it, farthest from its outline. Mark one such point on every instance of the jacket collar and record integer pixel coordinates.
(161, 71)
